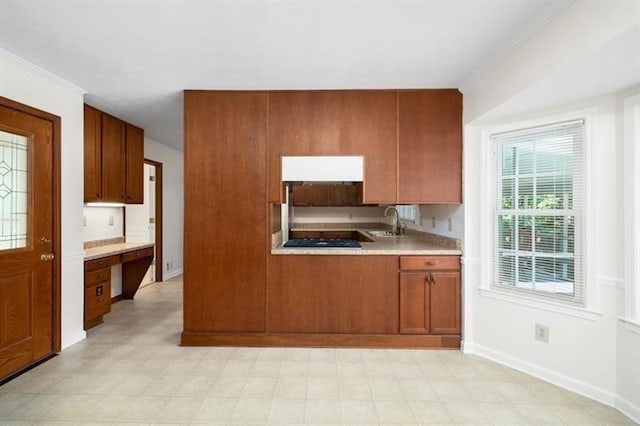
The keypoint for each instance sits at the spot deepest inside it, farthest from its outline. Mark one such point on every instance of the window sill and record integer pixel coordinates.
(632, 325)
(530, 302)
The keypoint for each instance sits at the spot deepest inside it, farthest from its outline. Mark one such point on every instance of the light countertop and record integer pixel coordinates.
(413, 243)
(113, 249)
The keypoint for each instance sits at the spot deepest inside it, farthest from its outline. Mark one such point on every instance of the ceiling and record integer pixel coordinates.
(134, 57)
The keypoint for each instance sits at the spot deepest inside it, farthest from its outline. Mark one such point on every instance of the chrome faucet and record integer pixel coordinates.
(397, 226)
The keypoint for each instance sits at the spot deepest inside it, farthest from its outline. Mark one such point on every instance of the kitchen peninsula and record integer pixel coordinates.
(242, 288)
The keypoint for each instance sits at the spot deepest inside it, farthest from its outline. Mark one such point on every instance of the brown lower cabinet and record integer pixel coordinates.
(333, 294)
(429, 296)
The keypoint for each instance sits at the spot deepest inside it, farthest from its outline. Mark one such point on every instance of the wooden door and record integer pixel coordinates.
(113, 159)
(430, 146)
(92, 154)
(134, 165)
(414, 303)
(26, 238)
(445, 303)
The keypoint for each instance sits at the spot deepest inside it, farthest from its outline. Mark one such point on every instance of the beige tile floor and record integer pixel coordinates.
(130, 370)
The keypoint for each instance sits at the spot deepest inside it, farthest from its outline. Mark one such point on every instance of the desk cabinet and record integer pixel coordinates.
(97, 281)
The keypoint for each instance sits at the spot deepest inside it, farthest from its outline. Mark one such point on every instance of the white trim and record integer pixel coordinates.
(72, 340)
(627, 408)
(5, 54)
(631, 112)
(615, 282)
(168, 275)
(543, 305)
(631, 324)
(590, 211)
(556, 378)
(527, 34)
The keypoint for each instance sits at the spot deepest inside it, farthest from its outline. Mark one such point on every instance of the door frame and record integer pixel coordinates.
(158, 214)
(56, 237)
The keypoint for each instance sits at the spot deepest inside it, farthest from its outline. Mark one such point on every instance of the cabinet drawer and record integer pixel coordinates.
(103, 262)
(97, 300)
(98, 276)
(429, 263)
(138, 254)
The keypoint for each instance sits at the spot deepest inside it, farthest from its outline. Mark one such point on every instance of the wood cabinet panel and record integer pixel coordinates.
(94, 277)
(97, 302)
(429, 263)
(113, 160)
(430, 146)
(336, 123)
(333, 294)
(92, 154)
(414, 303)
(445, 303)
(134, 163)
(430, 299)
(226, 230)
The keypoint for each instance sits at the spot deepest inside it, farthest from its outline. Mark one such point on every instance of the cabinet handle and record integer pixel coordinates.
(433, 280)
(100, 300)
(430, 263)
(100, 276)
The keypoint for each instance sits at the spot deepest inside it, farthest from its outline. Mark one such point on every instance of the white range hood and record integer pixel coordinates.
(323, 169)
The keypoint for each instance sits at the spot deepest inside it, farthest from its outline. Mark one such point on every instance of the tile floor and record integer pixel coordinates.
(131, 370)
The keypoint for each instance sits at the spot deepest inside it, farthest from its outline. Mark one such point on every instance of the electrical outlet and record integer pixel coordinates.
(169, 265)
(433, 221)
(111, 220)
(84, 221)
(542, 333)
(450, 224)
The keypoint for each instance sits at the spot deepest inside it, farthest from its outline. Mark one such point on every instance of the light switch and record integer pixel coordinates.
(111, 220)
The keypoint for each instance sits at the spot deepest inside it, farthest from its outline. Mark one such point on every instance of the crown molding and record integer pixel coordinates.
(6, 55)
(527, 34)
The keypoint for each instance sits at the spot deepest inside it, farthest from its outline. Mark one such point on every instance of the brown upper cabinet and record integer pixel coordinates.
(430, 146)
(113, 159)
(353, 122)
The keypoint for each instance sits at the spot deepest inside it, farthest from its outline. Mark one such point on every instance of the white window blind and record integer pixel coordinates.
(537, 247)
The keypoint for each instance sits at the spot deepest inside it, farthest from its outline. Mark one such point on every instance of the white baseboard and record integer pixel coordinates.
(628, 409)
(558, 379)
(172, 274)
(70, 341)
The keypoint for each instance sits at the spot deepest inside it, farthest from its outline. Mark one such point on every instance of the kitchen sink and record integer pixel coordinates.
(383, 234)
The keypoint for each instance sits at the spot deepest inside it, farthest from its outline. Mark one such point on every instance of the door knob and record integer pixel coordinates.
(45, 257)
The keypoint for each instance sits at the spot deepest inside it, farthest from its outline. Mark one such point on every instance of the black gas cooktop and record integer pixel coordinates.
(322, 243)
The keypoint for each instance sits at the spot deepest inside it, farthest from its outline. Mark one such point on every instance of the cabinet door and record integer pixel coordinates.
(319, 195)
(414, 303)
(300, 195)
(335, 122)
(134, 163)
(92, 154)
(445, 303)
(113, 161)
(430, 146)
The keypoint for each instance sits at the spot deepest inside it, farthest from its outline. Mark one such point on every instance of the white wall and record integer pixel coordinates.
(138, 215)
(435, 219)
(172, 207)
(338, 214)
(591, 352)
(101, 223)
(30, 85)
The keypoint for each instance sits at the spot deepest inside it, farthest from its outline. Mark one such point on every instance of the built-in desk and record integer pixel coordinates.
(135, 259)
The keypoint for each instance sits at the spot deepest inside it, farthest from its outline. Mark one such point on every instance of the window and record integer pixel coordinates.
(537, 247)
(408, 213)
